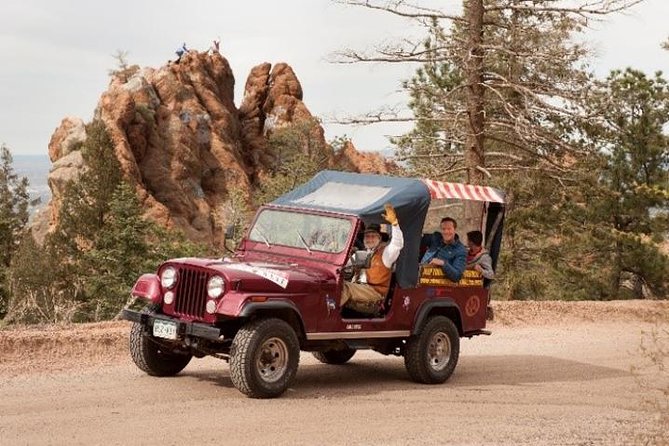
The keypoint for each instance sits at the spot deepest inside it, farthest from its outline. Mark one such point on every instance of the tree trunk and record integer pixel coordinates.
(473, 61)
(617, 275)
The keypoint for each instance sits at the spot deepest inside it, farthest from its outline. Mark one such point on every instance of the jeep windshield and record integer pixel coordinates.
(304, 231)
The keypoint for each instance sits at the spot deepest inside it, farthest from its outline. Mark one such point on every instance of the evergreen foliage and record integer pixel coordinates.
(102, 243)
(115, 260)
(14, 201)
(41, 289)
(632, 205)
(526, 145)
(126, 247)
(503, 96)
(85, 206)
(598, 236)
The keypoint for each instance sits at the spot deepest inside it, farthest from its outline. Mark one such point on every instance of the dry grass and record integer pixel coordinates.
(512, 313)
(652, 376)
(51, 347)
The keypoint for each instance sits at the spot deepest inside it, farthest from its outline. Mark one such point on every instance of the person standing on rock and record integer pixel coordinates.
(181, 51)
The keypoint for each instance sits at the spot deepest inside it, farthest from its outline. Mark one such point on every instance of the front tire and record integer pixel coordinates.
(431, 355)
(264, 357)
(335, 356)
(152, 357)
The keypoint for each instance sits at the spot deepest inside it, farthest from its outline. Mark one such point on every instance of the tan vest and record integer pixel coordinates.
(378, 276)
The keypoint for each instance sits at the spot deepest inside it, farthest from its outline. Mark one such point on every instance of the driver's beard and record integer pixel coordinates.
(371, 246)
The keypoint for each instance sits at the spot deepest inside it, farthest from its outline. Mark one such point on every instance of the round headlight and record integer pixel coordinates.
(168, 277)
(215, 287)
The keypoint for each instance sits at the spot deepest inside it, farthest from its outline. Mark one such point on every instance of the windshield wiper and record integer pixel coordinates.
(264, 239)
(304, 242)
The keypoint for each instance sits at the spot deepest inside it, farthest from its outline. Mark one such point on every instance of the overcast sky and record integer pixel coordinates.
(56, 53)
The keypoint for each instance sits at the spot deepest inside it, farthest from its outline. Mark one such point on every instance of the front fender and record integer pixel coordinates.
(148, 287)
(253, 307)
(279, 308)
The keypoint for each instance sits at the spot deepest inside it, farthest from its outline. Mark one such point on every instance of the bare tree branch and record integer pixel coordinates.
(504, 155)
(595, 8)
(431, 156)
(486, 172)
(393, 8)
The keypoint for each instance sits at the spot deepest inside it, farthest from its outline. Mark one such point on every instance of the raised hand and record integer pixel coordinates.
(390, 215)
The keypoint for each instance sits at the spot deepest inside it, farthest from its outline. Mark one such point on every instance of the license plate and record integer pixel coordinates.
(164, 329)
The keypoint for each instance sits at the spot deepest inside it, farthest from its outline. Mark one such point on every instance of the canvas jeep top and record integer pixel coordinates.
(280, 292)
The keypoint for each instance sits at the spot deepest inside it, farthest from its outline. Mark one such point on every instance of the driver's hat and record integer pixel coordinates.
(374, 227)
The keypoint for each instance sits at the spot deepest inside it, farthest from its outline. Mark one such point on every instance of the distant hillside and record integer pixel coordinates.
(36, 169)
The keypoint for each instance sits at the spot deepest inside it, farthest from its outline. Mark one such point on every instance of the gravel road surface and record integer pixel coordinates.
(532, 382)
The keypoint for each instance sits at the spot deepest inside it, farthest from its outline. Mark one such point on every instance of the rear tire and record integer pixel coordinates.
(335, 356)
(152, 357)
(431, 355)
(264, 357)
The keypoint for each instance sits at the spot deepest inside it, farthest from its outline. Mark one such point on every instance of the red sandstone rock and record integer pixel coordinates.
(66, 137)
(349, 158)
(183, 143)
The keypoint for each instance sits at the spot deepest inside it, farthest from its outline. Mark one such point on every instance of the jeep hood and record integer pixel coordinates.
(265, 277)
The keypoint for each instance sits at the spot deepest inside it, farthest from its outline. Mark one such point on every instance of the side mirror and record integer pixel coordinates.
(230, 232)
(229, 235)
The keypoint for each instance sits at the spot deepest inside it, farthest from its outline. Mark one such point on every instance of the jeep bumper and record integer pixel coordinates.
(184, 329)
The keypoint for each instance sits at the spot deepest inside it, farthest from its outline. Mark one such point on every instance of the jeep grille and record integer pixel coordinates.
(191, 293)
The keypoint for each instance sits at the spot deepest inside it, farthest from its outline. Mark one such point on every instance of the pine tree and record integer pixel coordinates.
(126, 246)
(86, 201)
(14, 201)
(83, 213)
(39, 291)
(117, 256)
(99, 248)
(500, 98)
(499, 82)
(633, 198)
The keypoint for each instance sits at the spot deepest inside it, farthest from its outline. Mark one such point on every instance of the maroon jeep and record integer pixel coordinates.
(280, 292)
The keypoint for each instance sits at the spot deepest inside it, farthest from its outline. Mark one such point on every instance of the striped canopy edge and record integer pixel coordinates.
(459, 191)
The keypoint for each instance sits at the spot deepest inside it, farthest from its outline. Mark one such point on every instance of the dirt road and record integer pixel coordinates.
(541, 382)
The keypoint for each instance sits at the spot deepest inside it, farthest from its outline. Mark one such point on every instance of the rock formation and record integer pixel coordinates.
(183, 143)
(364, 162)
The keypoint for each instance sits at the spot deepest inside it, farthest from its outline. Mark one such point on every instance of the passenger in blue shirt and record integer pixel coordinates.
(445, 249)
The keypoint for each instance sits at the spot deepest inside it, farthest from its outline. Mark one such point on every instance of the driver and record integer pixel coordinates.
(369, 291)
